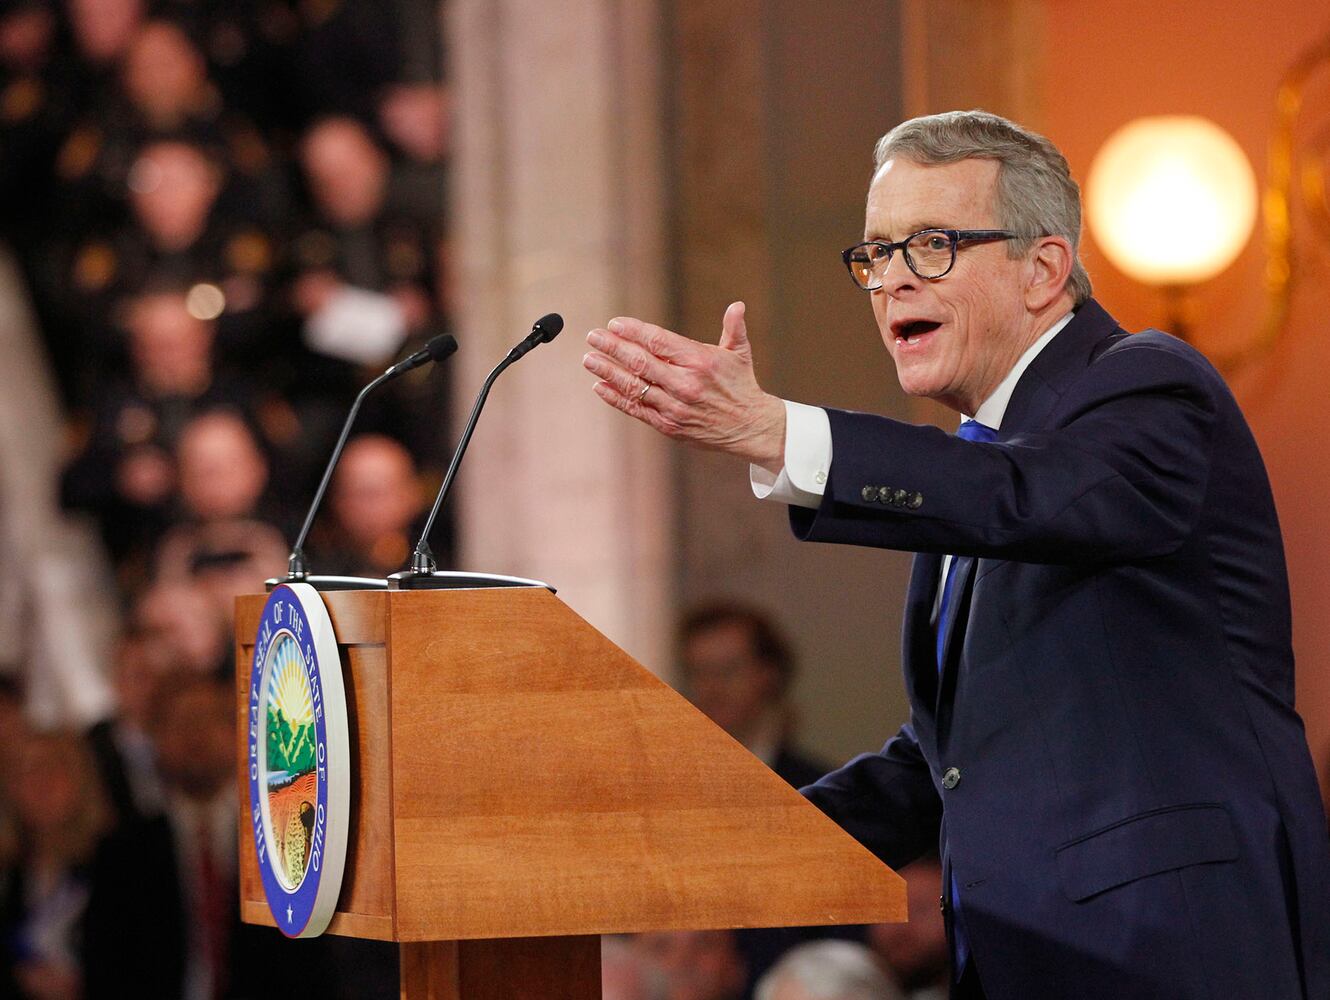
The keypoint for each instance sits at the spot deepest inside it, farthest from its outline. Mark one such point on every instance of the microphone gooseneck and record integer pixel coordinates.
(543, 331)
(439, 348)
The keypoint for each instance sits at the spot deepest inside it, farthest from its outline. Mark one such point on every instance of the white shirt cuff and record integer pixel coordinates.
(803, 479)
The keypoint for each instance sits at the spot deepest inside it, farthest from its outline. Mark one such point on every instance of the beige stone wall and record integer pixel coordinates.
(558, 207)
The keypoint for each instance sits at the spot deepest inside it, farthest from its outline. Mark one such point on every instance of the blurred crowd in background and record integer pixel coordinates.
(224, 217)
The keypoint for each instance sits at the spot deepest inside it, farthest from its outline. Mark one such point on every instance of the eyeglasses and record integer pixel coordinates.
(930, 253)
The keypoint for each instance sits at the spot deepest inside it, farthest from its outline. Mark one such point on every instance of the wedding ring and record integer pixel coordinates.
(645, 389)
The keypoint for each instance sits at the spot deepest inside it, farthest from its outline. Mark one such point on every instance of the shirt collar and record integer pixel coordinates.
(994, 408)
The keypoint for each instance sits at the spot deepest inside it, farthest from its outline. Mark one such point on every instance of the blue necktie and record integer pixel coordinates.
(970, 430)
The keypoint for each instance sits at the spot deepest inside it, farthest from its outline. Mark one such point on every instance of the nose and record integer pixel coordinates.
(897, 276)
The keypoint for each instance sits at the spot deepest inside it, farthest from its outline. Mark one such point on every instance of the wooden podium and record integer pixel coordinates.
(520, 785)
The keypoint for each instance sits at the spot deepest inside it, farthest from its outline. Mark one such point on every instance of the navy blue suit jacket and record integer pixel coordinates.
(1135, 812)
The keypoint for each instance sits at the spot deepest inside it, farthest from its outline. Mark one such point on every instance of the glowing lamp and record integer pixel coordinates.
(1171, 200)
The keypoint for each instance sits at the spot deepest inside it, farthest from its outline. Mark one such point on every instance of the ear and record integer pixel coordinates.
(1050, 264)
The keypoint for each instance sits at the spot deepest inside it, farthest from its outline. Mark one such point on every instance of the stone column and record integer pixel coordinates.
(557, 200)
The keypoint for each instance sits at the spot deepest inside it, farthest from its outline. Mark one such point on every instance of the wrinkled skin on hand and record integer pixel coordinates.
(703, 394)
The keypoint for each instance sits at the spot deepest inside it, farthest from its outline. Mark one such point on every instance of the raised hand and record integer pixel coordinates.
(704, 394)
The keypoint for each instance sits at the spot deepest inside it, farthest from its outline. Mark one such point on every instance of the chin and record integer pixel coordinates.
(916, 383)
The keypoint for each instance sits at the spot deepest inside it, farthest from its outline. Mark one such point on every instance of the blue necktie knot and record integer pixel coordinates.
(973, 430)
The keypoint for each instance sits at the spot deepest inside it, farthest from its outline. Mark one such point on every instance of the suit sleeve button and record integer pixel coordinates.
(951, 777)
(869, 493)
(884, 494)
(899, 497)
(916, 501)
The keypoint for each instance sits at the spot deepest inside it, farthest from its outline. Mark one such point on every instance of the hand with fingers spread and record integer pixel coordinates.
(703, 394)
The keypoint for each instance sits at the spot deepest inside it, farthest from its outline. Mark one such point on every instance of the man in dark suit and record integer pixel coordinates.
(1097, 637)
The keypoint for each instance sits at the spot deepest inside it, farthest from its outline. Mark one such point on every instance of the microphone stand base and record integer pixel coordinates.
(331, 582)
(445, 580)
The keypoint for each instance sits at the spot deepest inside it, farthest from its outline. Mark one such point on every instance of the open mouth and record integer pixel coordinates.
(914, 330)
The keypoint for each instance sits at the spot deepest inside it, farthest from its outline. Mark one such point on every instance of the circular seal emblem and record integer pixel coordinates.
(299, 760)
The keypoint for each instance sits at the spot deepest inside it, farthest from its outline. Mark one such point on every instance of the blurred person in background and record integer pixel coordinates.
(175, 230)
(827, 970)
(120, 744)
(915, 952)
(222, 560)
(416, 119)
(183, 628)
(376, 502)
(357, 239)
(737, 668)
(166, 83)
(125, 474)
(160, 89)
(224, 543)
(363, 282)
(221, 469)
(625, 973)
(165, 77)
(694, 965)
(61, 813)
(163, 916)
(103, 29)
(102, 32)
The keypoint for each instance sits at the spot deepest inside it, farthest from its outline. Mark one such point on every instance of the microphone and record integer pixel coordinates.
(297, 571)
(438, 348)
(543, 331)
(423, 573)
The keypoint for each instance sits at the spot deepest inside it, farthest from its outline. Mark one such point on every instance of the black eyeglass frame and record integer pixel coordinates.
(954, 236)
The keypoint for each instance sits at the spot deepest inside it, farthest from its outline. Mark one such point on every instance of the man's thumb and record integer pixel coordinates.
(734, 331)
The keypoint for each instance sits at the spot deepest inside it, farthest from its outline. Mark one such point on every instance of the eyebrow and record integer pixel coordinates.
(876, 235)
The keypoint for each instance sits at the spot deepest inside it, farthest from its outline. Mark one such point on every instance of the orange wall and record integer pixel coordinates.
(1109, 63)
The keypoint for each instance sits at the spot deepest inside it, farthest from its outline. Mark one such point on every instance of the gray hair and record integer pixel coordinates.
(1035, 195)
(830, 970)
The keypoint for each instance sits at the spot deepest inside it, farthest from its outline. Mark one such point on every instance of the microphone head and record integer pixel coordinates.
(442, 346)
(549, 327)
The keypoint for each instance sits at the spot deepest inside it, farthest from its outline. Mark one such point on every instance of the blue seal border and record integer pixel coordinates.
(305, 910)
